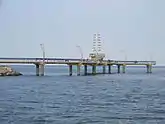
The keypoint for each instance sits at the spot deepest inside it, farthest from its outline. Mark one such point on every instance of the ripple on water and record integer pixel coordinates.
(121, 99)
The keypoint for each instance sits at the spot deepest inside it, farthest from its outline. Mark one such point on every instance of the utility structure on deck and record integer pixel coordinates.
(96, 59)
(97, 54)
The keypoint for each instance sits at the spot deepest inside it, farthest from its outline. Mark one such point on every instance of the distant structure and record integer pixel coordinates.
(97, 54)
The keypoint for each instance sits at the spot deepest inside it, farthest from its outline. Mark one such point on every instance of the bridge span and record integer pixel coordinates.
(41, 62)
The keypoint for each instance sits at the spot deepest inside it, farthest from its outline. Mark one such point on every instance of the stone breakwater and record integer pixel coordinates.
(8, 71)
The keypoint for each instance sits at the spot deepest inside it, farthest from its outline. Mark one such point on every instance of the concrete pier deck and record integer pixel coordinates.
(40, 63)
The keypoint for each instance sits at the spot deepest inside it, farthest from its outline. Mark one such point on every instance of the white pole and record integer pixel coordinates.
(80, 50)
(43, 52)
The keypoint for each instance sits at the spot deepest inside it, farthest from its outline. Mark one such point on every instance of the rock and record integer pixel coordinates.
(8, 71)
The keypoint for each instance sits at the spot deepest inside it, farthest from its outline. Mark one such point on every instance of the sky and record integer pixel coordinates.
(132, 29)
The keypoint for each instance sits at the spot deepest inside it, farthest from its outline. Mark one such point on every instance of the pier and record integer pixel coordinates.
(96, 58)
(40, 64)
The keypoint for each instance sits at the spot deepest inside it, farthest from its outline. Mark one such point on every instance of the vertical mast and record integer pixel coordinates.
(96, 43)
(97, 54)
(99, 43)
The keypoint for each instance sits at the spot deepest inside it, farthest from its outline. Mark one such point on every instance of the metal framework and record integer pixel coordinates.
(97, 54)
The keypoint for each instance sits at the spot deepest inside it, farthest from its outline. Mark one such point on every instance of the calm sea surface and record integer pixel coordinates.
(131, 98)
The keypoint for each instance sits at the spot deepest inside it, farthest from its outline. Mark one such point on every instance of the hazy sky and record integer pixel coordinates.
(135, 28)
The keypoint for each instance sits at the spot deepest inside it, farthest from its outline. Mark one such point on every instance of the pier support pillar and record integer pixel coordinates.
(85, 69)
(118, 68)
(149, 68)
(109, 69)
(78, 70)
(104, 69)
(70, 70)
(93, 69)
(124, 68)
(42, 69)
(37, 70)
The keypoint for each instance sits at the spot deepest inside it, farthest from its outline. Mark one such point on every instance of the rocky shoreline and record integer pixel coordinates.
(8, 71)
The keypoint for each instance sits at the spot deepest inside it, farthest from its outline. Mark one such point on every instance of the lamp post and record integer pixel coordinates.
(80, 50)
(43, 52)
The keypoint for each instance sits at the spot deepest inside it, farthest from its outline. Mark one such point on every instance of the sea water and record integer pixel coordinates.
(131, 98)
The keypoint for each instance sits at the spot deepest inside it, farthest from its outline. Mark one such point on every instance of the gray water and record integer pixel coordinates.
(132, 98)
